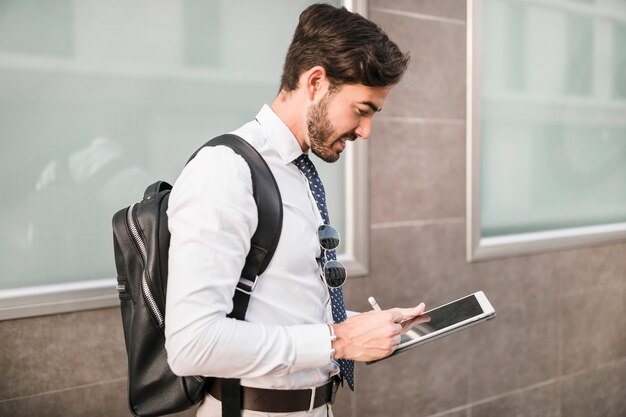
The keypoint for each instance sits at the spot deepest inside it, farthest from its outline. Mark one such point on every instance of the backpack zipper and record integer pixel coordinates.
(152, 305)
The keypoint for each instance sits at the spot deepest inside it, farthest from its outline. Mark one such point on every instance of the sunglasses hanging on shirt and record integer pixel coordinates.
(333, 272)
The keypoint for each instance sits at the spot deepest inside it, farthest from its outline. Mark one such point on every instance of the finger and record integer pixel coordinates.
(396, 315)
(423, 319)
(413, 311)
(409, 313)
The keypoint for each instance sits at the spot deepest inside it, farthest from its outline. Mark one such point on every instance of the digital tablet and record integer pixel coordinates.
(444, 320)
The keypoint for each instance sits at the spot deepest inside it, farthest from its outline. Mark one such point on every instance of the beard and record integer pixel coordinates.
(321, 133)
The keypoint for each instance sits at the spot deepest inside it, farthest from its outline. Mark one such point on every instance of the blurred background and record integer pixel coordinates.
(498, 164)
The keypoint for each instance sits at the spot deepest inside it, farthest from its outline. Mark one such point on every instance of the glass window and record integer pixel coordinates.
(548, 134)
(99, 99)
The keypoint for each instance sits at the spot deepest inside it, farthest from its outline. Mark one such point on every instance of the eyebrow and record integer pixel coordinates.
(370, 105)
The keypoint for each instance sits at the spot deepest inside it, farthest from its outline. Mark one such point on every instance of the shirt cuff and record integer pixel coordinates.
(312, 345)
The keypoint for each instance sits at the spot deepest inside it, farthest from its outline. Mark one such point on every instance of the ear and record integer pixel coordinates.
(315, 82)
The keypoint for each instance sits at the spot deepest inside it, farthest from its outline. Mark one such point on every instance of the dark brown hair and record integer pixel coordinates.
(352, 50)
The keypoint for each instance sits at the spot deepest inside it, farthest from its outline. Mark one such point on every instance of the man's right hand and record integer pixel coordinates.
(372, 335)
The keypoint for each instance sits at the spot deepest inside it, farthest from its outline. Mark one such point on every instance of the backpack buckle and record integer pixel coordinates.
(246, 286)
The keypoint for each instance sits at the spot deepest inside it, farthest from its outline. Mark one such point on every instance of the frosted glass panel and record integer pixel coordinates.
(553, 115)
(100, 98)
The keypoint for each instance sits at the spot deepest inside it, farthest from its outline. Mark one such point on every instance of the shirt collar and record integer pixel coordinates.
(279, 134)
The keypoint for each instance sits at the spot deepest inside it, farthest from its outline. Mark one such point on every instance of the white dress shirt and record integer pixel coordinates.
(284, 342)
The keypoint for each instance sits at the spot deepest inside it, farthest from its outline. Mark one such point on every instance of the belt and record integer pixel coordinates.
(282, 401)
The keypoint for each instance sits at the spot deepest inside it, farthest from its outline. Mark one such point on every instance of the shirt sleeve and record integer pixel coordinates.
(212, 216)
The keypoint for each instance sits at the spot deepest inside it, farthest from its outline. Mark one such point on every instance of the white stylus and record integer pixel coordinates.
(374, 304)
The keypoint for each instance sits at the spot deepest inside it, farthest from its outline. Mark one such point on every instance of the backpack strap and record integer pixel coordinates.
(270, 213)
(262, 245)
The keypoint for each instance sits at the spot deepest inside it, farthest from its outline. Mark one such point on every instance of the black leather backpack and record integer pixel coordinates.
(141, 241)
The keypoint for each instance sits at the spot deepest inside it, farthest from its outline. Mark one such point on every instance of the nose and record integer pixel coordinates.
(365, 128)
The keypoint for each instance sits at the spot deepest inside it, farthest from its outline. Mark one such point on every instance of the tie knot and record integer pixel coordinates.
(303, 162)
(306, 166)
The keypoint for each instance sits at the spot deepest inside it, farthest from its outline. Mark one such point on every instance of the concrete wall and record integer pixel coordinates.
(557, 347)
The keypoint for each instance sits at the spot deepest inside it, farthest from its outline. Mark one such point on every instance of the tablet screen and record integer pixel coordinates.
(442, 317)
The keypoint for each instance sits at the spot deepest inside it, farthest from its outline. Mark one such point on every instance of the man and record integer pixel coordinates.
(337, 73)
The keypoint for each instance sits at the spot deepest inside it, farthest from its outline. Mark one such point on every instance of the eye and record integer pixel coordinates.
(362, 112)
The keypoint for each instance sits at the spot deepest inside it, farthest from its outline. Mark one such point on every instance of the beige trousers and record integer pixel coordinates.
(212, 407)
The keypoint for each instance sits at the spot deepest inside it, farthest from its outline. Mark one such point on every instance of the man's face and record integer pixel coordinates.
(342, 115)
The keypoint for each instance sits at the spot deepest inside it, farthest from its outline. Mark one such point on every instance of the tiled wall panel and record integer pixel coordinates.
(447, 9)
(593, 329)
(600, 392)
(417, 171)
(434, 85)
(517, 349)
(418, 383)
(60, 351)
(541, 401)
(103, 399)
(421, 263)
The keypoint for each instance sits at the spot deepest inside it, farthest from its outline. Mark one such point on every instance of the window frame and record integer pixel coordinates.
(93, 294)
(481, 248)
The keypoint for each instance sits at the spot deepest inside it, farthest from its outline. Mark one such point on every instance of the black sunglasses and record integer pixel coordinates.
(334, 272)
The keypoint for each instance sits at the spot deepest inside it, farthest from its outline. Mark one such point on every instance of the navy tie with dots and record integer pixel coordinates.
(336, 294)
